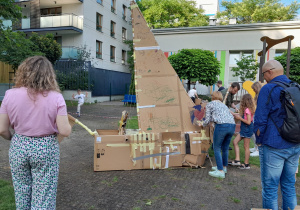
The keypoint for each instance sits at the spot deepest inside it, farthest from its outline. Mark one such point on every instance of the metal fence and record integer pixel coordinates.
(73, 75)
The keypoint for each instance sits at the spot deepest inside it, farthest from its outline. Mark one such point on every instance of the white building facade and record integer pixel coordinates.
(228, 43)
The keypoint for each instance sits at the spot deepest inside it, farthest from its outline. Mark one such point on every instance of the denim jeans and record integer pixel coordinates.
(278, 166)
(222, 137)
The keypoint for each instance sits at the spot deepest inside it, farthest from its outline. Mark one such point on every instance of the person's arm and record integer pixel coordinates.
(86, 94)
(238, 117)
(73, 96)
(208, 114)
(4, 127)
(63, 125)
(262, 113)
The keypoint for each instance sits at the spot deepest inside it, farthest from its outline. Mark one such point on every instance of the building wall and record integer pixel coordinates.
(224, 41)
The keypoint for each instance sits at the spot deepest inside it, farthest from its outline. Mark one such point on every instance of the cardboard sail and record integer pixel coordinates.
(162, 102)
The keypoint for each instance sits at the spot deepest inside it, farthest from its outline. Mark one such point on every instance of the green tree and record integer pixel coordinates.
(130, 61)
(255, 11)
(15, 48)
(294, 63)
(246, 68)
(196, 64)
(172, 13)
(9, 10)
(47, 45)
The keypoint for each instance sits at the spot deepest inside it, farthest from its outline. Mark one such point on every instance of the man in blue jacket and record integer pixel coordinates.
(278, 157)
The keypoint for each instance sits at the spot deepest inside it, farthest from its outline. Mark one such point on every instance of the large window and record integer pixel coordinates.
(51, 11)
(113, 6)
(112, 29)
(232, 63)
(99, 18)
(124, 33)
(98, 49)
(123, 57)
(279, 52)
(112, 53)
(124, 12)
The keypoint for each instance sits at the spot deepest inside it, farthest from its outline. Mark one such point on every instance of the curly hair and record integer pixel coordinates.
(37, 75)
(256, 86)
(247, 102)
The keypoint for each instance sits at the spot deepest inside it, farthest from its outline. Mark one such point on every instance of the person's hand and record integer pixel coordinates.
(236, 110)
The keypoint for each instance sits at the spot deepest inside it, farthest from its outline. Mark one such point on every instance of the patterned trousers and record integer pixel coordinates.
(34, 163)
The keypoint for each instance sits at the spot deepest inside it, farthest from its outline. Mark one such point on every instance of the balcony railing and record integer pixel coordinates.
(51, 21)
(61, 21)
(69, 52)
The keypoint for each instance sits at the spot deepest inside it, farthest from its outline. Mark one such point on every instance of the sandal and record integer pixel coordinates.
(244, 166)
(234, 163)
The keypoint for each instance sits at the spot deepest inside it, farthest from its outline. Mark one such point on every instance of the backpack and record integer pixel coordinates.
(290, 100)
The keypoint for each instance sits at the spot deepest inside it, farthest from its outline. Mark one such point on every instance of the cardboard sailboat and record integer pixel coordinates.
(162, 102)
(166, 136)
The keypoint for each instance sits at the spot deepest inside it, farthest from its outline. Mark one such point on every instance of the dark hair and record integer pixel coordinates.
(236, 84)
(220, 82)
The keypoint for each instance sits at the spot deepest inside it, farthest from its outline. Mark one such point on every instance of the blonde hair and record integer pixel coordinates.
(37, 75)
(217, 95)
(256, 86)
(247, 102)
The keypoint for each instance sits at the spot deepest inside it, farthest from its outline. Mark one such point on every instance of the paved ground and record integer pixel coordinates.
(80, 187)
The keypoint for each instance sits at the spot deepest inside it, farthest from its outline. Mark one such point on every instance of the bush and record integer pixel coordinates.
(205, 97)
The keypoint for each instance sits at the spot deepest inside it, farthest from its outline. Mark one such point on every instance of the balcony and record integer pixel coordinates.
(53, 21)
(69, 52)
(61, 21)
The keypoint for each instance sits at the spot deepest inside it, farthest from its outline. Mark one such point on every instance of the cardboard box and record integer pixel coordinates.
(199, 139)
(169, 161)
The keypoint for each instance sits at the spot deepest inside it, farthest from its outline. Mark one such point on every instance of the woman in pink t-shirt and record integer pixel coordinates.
(36, 110)
(247, 110)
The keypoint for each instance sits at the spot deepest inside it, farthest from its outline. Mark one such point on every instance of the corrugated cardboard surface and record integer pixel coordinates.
(200, 142)
(158, 87)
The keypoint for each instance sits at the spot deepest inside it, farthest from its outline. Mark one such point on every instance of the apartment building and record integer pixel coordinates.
(98, 25)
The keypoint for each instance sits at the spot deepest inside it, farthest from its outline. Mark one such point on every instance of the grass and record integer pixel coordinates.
(7, 197)
(132, 123)
(73, 103)
(235, 200)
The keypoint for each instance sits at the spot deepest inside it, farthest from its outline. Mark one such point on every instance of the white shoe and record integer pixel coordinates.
(252, 149)
(255, 154)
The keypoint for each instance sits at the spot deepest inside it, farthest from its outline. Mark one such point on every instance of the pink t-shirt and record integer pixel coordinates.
(33, 118)
(247, 111)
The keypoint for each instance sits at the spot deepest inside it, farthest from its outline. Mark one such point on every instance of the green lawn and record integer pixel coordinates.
(7, 197)
(132, 123)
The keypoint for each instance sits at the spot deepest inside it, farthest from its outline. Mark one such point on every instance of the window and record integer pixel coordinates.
(99, 18)
(124, 12)
(279, 52)
(112, 53)
(112, 29)
(100, 2)
(113, 6)
(123, 57)
(232, 63)
(98, 49)
(124, 32)
(51, 11)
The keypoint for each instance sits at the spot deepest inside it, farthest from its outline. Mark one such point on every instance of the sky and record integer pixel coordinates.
(285, 2)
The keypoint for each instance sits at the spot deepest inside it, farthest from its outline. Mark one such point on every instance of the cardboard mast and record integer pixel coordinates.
(162, 102)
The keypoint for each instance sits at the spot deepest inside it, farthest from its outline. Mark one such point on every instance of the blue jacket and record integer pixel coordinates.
(269, 134)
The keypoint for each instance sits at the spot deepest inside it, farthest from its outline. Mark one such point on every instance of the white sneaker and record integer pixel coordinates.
(252, 149)
(255, 154)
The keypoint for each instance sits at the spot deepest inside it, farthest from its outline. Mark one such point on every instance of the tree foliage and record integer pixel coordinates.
(255, 11)
(246, 68)
(196, 64)
(9, 11)
(47, 45)
(130, 61)
(294, 63)
(15, 48)
(172, 13)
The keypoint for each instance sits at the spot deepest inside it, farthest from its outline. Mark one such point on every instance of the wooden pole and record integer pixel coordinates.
(262, 61)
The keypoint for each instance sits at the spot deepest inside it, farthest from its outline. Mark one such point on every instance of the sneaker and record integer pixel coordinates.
(229, 148)
(255, 154)
(253, 149)
(244, 166)
(217, 174)
(215, 168)
(234, 163)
